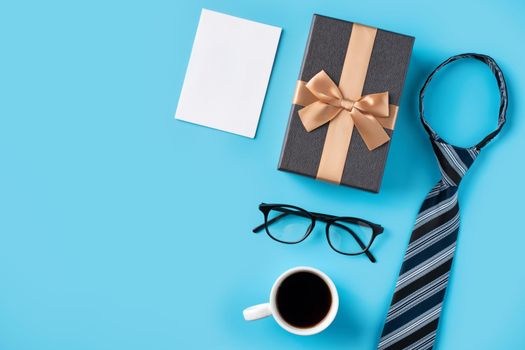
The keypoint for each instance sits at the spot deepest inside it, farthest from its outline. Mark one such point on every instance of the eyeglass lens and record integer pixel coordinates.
(288, 224)
(349, 237)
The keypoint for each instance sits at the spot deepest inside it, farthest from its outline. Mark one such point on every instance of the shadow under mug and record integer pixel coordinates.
(272, 308)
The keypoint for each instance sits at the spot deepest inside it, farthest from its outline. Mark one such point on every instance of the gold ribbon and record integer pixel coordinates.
(344, 107)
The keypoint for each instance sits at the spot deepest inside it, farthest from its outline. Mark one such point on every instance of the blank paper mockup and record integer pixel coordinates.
(228, 73)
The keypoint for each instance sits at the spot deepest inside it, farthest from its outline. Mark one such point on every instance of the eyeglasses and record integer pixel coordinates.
(346, 235)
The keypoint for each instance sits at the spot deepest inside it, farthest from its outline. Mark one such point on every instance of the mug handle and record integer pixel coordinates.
(257, 312)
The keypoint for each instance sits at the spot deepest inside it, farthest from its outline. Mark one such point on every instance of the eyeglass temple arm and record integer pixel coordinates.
(359, 241)
(271, 221)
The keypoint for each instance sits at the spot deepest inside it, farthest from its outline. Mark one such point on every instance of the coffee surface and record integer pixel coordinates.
(303, 299)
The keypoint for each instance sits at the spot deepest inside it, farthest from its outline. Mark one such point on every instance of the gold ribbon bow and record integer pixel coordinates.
(324, 101)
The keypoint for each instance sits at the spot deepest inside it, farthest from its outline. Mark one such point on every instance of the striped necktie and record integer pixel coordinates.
(413, 316)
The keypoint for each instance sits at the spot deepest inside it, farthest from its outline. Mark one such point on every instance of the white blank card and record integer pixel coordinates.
(228, 73)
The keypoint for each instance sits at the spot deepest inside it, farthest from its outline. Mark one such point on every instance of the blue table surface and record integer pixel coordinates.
(123, 228)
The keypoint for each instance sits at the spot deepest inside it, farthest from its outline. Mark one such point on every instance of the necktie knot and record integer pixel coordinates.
(453, 161)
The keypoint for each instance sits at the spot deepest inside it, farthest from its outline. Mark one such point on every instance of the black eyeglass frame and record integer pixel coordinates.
(329, 220)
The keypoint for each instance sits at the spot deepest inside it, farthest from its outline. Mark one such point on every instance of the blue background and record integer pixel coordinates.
(122, 228)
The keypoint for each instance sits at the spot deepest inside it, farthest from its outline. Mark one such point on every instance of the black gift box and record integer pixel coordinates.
(387, 67)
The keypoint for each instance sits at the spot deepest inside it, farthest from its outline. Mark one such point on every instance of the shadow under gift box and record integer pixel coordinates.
(386, 56)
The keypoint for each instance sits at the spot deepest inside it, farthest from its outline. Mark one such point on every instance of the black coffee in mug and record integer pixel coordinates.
(303, 299)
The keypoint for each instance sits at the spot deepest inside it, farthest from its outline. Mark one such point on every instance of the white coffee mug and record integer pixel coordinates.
(263, 310)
